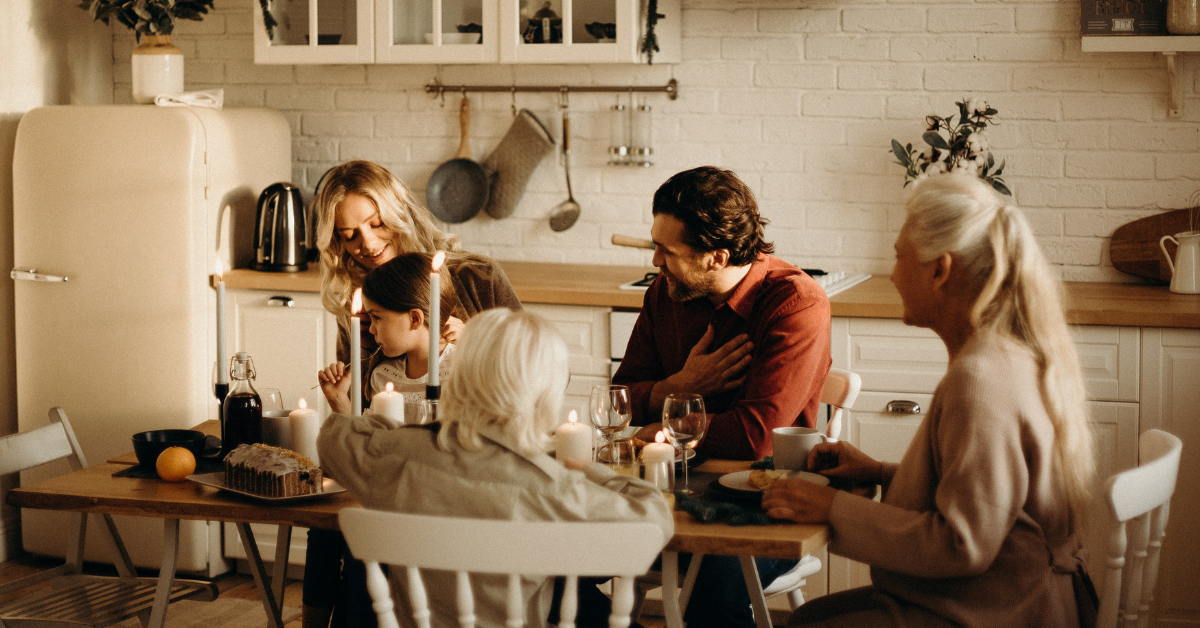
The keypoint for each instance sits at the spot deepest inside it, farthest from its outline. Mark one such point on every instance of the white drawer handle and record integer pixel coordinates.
(281, 302)
(901, 406)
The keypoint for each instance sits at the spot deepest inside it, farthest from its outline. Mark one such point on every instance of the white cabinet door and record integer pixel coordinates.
(585, 329)
(312, 31)
(431, 31)
(1171, 402)
(1109, 357)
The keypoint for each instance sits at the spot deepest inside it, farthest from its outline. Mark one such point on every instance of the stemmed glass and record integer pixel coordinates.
(610, 411)
(685, 421)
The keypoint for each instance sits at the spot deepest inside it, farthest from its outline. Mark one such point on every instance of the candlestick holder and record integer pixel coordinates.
(431, 410)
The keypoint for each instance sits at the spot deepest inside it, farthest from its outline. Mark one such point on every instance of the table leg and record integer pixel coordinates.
(270, 602)
(283, 546)
(166, 574)
(758, 602)
(670, 590)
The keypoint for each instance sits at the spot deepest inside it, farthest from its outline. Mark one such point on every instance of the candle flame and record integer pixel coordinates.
(660, 437)
(573, 417)
(356, 302)
(389, 387)
(303, 403)
(438, 258)
(220, 269)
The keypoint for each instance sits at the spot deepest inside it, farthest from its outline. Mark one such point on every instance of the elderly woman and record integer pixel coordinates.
(978, 521)
(486, 458)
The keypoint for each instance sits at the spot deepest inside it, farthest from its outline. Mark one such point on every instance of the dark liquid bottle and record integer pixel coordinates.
(242, 420)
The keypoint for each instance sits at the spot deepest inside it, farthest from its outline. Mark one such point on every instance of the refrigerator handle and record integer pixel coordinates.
(31, 274)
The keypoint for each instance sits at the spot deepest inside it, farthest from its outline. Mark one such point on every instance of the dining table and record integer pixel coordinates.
(95, 490)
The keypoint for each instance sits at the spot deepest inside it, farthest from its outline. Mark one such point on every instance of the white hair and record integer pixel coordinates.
(510, 373)
(1018, 296)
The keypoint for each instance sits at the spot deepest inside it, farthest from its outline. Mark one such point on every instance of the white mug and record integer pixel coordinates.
(792, 444)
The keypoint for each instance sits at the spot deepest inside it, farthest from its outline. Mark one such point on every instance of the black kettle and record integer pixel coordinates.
(281, 230)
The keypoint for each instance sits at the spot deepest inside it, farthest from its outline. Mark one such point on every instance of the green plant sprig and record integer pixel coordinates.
(954, 146)
(147, 17)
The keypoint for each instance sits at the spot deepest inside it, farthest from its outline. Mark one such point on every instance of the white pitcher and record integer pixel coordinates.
(1185, 268)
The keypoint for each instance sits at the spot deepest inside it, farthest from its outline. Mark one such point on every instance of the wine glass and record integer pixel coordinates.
(610, 411)
(685, 422)
(272, 400)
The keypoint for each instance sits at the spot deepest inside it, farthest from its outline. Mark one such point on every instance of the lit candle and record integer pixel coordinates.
(222, 356)
(356, 354)
(435, 318)
(573, 439)
(389, 405)
(659, 460)
(305, 423)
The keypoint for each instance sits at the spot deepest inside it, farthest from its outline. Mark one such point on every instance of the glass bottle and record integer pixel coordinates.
(242, 421)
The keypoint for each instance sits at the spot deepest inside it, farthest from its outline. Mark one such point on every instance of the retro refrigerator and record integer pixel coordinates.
(120, 215)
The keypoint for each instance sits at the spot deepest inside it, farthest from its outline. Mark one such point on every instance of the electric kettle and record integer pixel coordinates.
(281, 230)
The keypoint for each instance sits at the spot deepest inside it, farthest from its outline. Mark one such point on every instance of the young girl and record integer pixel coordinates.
(396, 300)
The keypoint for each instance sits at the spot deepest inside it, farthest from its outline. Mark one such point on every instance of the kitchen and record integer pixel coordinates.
(801, 100)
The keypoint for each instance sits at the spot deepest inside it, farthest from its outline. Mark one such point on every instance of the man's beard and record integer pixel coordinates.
(687, 288)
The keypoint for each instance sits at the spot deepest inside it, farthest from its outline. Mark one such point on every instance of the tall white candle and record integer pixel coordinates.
(435, 316)
(356, 354)
(222, 356)
(389, 405)
(659, 458)
(573, 439)
(305, 423)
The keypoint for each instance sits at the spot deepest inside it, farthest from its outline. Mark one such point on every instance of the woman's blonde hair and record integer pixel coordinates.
(399, 210)
(1019, 296)
(510, 374)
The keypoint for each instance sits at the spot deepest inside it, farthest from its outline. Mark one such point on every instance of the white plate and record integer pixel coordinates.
(329, 486)
(740, 481)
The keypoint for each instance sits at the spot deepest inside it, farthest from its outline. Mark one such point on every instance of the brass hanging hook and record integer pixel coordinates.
(513, 103)
(564, 98)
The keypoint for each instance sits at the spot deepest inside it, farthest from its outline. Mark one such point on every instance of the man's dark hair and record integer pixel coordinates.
(718, 211)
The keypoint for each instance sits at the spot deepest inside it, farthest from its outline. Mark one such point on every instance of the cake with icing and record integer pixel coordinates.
(271, 471)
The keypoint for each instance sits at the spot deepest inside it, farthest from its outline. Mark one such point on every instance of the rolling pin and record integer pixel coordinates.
(637, 243)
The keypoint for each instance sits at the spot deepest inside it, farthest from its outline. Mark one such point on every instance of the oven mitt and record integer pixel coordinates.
(513, 162)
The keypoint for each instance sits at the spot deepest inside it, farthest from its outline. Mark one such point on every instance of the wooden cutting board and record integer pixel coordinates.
(1134, 246)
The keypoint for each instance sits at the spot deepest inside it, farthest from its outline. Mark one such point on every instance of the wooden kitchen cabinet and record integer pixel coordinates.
(428, 31)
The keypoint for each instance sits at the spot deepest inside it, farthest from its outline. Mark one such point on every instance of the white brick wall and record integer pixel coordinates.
(802, 102)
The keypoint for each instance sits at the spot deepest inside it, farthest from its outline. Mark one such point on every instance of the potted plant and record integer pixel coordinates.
(157, 64)
(960, 146)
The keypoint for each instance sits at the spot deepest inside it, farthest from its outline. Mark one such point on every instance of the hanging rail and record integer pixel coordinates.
(436, 89)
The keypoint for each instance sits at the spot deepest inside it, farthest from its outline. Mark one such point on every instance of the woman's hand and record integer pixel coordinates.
(798, 500)
(452, 330)
(335, 384)
(841, 460)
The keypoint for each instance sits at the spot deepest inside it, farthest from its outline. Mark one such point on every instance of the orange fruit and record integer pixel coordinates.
(175, 464)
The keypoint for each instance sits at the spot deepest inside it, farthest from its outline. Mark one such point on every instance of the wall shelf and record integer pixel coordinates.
(1168, 46)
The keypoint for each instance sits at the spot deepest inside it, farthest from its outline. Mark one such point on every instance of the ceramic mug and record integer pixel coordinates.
(792, 444)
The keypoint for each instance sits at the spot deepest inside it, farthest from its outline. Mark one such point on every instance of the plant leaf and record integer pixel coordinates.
(900, 153)
(935, 139)
(999, 186)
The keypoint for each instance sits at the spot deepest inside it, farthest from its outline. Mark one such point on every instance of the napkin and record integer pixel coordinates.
(210, 98)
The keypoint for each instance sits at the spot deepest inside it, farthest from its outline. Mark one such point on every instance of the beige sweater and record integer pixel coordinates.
(974, 523)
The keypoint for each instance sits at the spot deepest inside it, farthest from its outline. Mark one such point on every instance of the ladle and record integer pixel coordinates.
(566, 213)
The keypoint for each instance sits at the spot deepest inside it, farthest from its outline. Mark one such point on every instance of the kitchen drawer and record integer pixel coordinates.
(881, 434)
(1109, 357)
(585, 329)
(620, 328)
(890, 355)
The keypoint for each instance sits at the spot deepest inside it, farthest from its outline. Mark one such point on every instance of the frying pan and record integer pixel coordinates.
(458, 188)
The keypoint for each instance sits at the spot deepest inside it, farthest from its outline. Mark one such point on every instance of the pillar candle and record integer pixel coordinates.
(389, 405)
(435, 316)
(305, 423)
(356, 354)
(222, 356)
(659, 460)
(573, 439)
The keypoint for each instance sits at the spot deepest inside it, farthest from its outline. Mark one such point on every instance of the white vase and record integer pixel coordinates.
(157, 68)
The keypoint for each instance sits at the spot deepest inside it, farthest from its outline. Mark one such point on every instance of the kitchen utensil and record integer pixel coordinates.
(1134, 246)
(458, 188)
(281, 229)
(513, 161)
(1185, 270)
(564, 216)
(148, 445)
(637, 243)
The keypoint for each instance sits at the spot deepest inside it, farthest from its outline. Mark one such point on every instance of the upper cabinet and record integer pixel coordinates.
(464, 31)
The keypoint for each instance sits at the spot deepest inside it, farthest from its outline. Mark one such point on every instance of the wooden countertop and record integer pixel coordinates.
(581, 284)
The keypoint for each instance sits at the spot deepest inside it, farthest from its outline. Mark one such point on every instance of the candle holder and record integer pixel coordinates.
(431, 411)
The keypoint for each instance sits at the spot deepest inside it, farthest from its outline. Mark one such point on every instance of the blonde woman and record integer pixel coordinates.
(979, 521)
(486, 458)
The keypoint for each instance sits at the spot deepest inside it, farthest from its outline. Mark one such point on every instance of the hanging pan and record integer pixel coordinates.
(458, 188)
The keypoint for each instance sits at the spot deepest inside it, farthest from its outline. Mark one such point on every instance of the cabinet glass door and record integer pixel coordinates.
(435, 31)
(314, 31)
(558, 31)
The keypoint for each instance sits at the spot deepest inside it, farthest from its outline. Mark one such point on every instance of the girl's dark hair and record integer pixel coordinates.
(402, 284)
(718, 211)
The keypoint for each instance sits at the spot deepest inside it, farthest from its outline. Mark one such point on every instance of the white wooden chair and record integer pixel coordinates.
(489, 546)
(66, 597)
(840, 391)
(1138, 500)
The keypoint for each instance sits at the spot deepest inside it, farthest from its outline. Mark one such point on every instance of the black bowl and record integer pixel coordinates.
(148, 445)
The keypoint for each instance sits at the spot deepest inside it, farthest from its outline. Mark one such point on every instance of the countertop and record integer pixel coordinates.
(580, 284)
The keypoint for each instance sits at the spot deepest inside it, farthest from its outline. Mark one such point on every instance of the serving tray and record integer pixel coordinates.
(329, 486)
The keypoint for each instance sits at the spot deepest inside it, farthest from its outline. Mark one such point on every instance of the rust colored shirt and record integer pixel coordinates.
(786, 315)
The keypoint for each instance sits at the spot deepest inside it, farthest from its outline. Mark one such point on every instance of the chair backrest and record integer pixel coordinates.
(46, 444)
(840, 390)
(1139, 501)
(489, 546)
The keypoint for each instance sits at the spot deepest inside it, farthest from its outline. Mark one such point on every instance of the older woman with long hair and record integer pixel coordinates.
(486, 458)
(978, 524)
